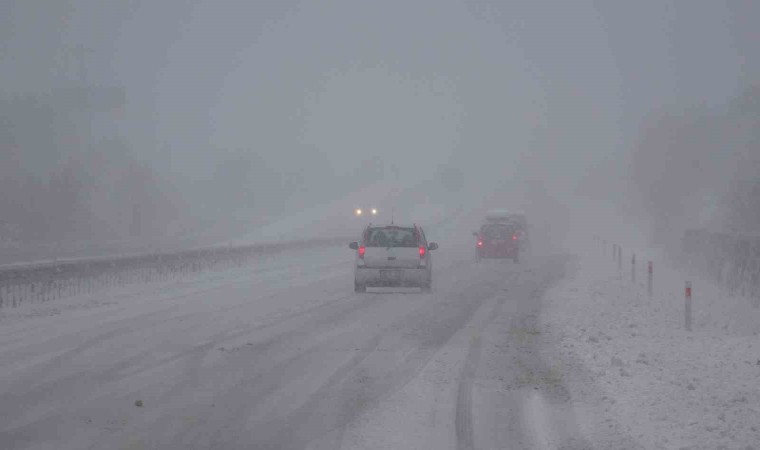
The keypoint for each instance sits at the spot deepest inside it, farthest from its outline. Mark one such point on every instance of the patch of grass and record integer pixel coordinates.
(543, 377)
(523, 334)
(135, 444)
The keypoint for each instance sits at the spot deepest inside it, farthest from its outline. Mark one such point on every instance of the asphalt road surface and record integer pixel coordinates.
(283, 354)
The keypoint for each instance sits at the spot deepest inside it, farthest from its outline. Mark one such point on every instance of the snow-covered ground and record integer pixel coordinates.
(560, 351)
(633, 367)
(282, 353)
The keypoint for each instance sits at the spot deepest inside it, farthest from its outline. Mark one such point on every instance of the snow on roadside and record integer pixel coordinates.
(631, 365)
(266, 267)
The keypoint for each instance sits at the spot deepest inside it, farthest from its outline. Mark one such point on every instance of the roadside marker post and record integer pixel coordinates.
(687, 306)
(650, 271)
(620, 259)
(633, 268)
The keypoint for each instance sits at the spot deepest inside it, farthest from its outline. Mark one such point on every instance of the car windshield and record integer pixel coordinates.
(391, 237)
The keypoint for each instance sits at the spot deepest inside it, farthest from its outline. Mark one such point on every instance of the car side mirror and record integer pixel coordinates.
(432, 246)
(353, 245)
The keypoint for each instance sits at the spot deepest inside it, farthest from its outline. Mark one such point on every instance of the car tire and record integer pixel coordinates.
(359, 288)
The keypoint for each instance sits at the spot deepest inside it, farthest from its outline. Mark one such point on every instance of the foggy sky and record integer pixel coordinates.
(535, 89)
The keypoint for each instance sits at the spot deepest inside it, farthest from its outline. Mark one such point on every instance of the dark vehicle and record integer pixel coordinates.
(521, 231)
(498, 240)
(393, 255)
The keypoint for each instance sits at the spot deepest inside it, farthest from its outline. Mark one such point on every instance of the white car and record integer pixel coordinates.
(393, 255)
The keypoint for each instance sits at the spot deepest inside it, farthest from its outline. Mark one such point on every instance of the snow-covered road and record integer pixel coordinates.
(283, 355)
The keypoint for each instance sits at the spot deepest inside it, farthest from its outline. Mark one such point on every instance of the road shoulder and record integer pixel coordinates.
(630, 366)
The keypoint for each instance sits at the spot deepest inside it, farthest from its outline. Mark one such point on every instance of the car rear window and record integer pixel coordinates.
(391, 237)
(498, 232)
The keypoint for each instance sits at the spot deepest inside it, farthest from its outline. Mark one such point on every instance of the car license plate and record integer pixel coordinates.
(390, 274)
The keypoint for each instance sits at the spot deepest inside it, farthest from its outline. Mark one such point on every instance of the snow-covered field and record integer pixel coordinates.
(658, 383)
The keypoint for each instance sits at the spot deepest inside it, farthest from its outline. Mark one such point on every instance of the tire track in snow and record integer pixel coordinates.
(463, 422)
(354, 389)
(463, 418)
(78, 386)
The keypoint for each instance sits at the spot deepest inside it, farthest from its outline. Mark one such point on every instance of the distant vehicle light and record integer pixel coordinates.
(514, 237)
(374, 211)
(359, 212)
(480, 243)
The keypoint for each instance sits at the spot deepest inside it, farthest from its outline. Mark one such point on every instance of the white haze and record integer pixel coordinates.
(237, 114)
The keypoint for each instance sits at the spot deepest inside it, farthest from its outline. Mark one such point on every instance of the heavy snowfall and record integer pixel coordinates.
(190, 194)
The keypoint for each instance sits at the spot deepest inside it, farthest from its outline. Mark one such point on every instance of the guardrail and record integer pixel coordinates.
(51, 280)
(46, 281)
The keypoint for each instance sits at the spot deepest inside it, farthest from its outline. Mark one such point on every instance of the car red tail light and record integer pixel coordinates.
(514, 237)
(422, 251)
(480, 243)
(361, 251)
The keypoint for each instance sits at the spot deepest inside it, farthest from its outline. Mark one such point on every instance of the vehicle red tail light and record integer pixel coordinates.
(422, 251)
(514, 237)
(361, 251)
(480, 243)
